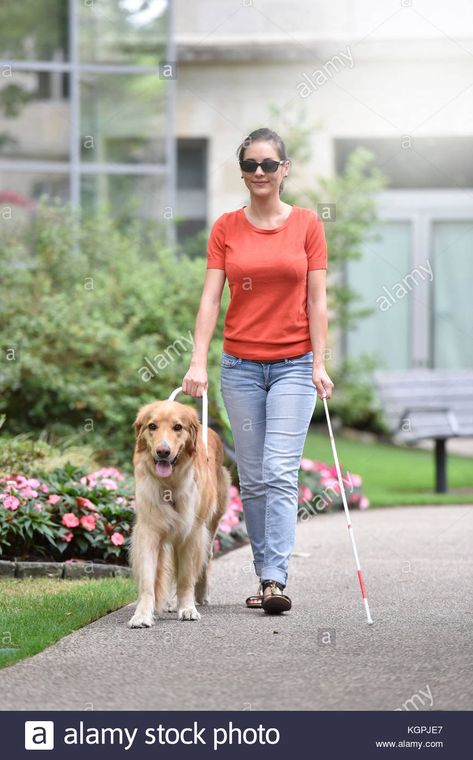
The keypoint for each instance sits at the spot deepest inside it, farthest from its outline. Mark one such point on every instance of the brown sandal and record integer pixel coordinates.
(275, 602)
(256, 600)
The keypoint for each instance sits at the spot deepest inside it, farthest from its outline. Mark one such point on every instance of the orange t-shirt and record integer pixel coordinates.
(267, 275)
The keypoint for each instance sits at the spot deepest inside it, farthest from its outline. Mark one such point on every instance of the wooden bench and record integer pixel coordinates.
(427, 403)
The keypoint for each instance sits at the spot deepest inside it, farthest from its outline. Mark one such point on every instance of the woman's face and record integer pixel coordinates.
(259, 183)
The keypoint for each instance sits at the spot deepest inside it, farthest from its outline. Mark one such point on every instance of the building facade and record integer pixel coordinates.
(396, 77)
(146, 101)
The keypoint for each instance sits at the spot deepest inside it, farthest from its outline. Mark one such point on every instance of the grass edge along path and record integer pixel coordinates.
(37, 612)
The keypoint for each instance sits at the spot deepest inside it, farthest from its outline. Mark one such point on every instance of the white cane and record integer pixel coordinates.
(347, 515)
(205, 414)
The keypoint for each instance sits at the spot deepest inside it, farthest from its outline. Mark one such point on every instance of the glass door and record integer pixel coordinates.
(452, 301)
(418, 278)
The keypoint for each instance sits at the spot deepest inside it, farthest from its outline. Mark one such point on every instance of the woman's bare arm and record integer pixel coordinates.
(195, 380)
(318, 326)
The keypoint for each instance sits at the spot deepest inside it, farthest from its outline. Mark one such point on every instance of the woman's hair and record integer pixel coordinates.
(268, 136)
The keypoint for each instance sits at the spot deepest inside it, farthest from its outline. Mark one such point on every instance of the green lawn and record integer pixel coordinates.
(37, 612)
(394, 475)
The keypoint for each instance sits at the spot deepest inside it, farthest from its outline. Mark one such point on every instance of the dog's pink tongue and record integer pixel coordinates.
(163, 469)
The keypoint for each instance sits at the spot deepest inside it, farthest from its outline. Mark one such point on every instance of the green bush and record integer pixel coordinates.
(22, 453)
(94, 322)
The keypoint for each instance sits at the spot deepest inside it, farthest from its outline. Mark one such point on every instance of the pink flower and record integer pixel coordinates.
(53, 498)
(364, 503)
(235, 502)
(29, 493)
(217, 545)
(88, 522)
(70, 520)
(68, 537)
(109, 484)
(44, 488)
(356, 480)
(104, 477)
(11, 502)
(117, 539)
(307, 464)
(225, 528)
(111, 472)
(305, 494)
(33, 482)
(38, 506)
(331, 483)
(82, 502)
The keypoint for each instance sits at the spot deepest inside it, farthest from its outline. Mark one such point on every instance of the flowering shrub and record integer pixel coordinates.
(69, 513)
(319, 489)
(231, 530)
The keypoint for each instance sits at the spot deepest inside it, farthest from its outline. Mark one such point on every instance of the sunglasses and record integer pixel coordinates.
(268, 165)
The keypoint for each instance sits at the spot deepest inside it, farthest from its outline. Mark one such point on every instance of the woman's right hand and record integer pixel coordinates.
(195, 381)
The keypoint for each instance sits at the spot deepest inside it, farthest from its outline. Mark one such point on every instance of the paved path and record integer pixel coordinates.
(418, 564)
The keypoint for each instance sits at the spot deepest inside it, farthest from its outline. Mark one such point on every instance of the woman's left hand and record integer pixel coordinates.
(322, 382)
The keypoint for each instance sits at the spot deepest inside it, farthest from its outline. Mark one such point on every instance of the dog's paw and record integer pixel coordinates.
(141, 621)
(171, 606)
(204, 601)
(188, 613)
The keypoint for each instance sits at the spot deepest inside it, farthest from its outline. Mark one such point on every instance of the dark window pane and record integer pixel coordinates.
(429, 162)
(123, 32)
(191, 164)
(32, 30)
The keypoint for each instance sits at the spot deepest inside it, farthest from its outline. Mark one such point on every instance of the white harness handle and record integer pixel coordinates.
(205, 414)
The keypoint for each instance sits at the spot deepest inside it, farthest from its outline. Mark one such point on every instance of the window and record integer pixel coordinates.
(429, 162)
(116, 137)
(191, 187)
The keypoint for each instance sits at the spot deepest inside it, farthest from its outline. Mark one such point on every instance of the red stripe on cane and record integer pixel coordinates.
(349, 526)
(362, 585)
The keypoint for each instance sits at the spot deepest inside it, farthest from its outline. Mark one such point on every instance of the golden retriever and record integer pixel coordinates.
(181, 495)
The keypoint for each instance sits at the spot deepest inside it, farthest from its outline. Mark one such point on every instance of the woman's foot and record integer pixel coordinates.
(256, 600)
(274, 600)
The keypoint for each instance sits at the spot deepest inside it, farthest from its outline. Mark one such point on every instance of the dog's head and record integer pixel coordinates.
(166, 432)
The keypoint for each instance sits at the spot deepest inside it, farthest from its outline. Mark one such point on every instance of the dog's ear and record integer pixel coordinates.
(193, 432)
(139, 425)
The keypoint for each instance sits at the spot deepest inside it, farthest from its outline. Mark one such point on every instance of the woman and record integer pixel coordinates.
(272, 366)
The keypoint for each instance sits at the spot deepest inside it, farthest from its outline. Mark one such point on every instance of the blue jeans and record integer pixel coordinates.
(270, 406)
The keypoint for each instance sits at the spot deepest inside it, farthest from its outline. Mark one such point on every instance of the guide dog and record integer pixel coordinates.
(181, 494)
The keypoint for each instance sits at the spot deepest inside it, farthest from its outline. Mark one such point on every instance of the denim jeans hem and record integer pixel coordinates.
(274, 574)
